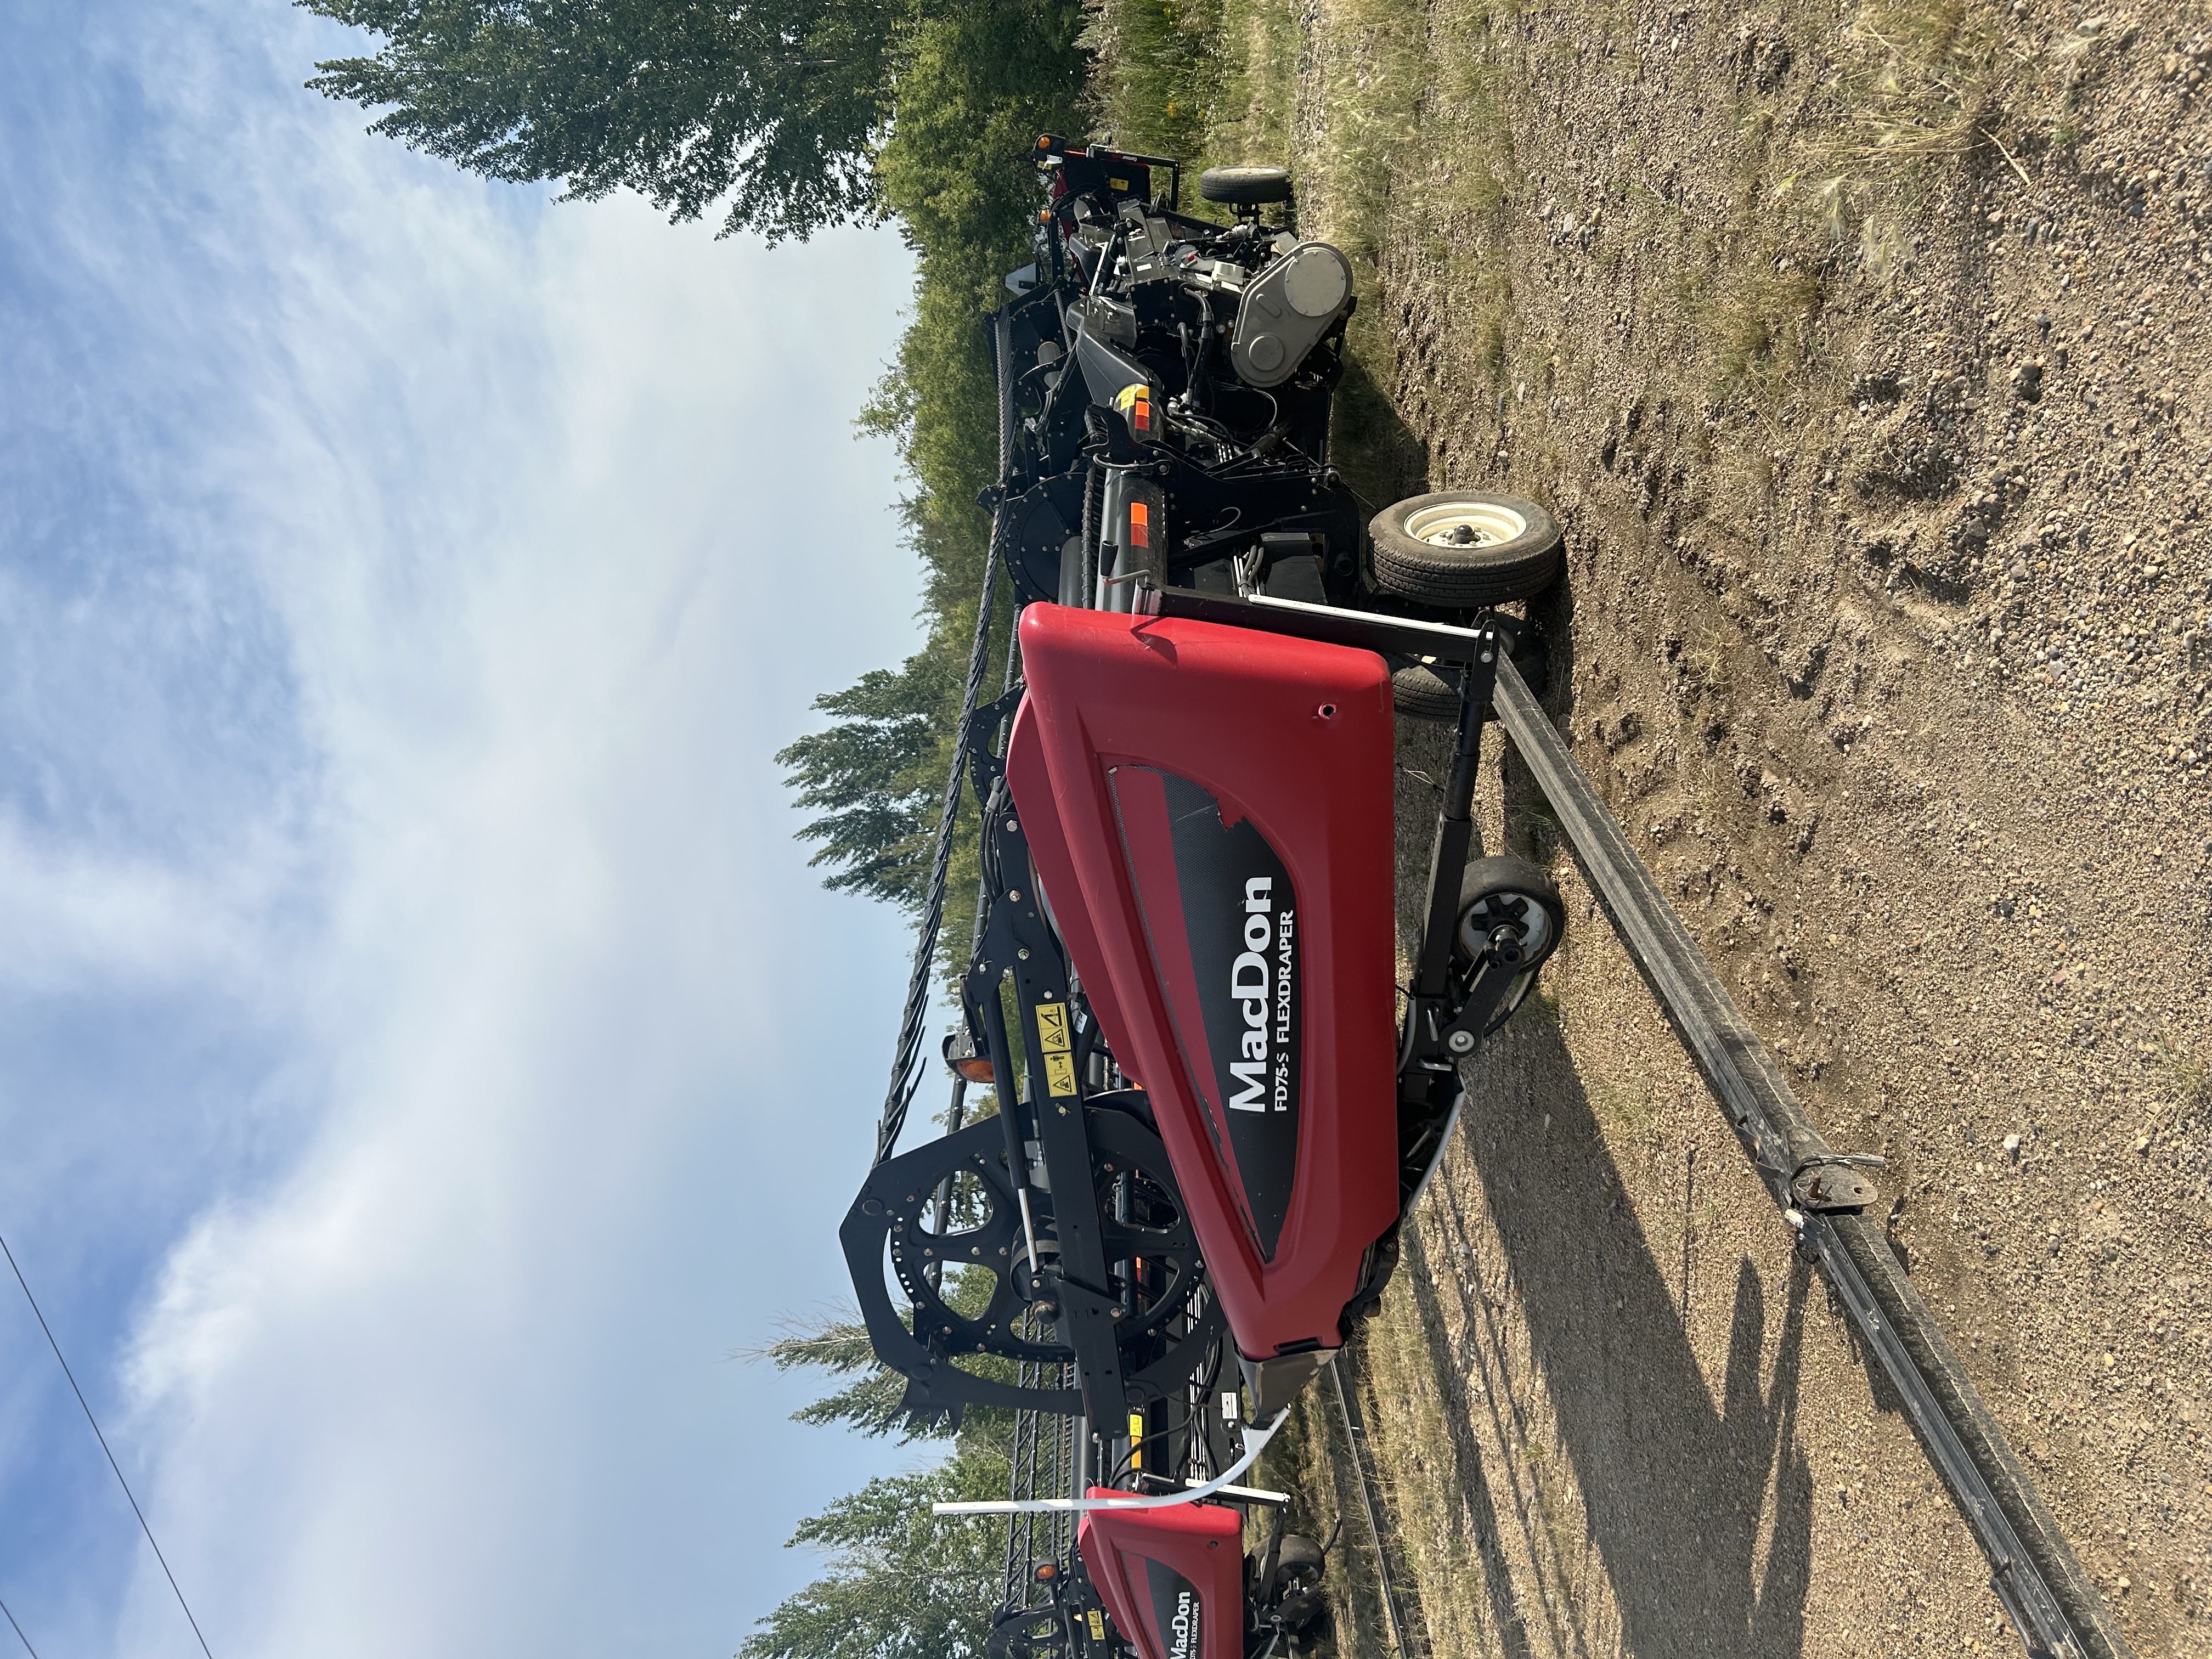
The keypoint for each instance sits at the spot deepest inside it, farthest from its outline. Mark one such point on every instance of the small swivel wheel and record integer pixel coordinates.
(1298, 1598)
(1510, 914)
(1419, 692)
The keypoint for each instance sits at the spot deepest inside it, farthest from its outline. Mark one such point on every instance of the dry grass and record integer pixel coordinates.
(1207, 81)
(1757, 327)
(1309, 1459)
(1408, 1429)
(1924, 86)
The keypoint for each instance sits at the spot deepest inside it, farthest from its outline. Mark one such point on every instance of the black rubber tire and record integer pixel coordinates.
(1419, 693)
(1422, 694)
(1495, 876)
(1518, 566)
(1298, 1598)
(1245, 186)
(1297, 1557)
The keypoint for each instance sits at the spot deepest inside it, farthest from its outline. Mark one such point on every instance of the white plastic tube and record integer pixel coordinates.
(1253, 1447)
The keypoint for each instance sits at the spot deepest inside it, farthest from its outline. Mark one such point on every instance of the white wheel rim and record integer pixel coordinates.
(1440, 526)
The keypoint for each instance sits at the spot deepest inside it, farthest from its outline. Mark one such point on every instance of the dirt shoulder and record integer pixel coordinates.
(1874, 399)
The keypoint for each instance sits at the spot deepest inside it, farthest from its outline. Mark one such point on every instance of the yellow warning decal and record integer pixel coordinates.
(1060, 1074)
(1052, 1039)
(1098, 1626)
(1052, 1025)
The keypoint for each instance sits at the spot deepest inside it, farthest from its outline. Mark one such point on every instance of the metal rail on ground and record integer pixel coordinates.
(2035, 1572)
(1355, 1437)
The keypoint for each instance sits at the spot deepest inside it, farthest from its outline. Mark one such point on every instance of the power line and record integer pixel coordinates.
(111, 1463)
(18, 1629)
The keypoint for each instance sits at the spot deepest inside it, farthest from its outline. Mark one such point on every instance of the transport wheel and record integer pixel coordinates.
(1245, 186)
(1298, 1601)
(1502, 892)
(1420, 693)
(1457, 549)
(1298, 1562)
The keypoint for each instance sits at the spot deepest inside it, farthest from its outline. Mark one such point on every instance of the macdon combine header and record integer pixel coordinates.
(1217, 1096)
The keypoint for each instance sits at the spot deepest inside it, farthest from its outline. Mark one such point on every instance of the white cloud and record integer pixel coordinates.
(76, 919)
(534, 533)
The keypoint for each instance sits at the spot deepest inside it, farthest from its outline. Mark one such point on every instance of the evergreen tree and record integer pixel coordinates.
(839, 1345)
(776, 105)
(902, 1584)
(787, 116)
(874, 778)
(900, 1580)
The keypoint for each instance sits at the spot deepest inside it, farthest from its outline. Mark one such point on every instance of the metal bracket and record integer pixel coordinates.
(1833, 1181)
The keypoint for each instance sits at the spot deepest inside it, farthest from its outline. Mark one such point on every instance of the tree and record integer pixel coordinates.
(875, 777)
(801, 113)
(901, 1582)
(977, 80)
(776, 104)
(839, 1345)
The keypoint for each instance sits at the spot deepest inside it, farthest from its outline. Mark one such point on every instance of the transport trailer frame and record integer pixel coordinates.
(1823, 1196)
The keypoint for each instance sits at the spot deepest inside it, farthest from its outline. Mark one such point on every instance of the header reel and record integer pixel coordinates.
(947, 1214)
(1063, 1201)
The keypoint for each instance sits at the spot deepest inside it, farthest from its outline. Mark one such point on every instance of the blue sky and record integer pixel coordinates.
(424, 1056)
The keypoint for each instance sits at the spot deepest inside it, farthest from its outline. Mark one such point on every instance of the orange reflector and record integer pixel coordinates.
(976, 1068)
(1140, 415)
(1140, 525)
(1044, 141)
(1047, 1572)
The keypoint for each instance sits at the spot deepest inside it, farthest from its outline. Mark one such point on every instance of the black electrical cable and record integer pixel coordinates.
(18, 1629)
(906, 1059)
(1126, 1467)
(87, 1409)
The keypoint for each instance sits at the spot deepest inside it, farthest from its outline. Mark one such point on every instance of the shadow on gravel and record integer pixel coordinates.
(1382, 458)
(1673, 1483)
